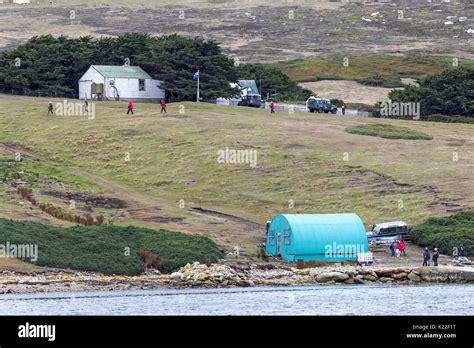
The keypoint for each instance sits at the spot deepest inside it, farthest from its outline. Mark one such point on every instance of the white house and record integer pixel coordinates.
(109, 82)
(14, 1)
(246, 87)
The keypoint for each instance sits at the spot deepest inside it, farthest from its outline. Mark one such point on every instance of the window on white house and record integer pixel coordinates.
(141, 85)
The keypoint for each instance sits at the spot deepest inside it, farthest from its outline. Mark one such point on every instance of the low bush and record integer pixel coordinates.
(337, 102)
(449, 119)
(375, 80)
(109, 249)
(379, 81)
(361, 107)
(445, 233)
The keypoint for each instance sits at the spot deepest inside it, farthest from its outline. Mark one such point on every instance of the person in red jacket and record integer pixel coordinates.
(272, 107)
(401, 247)
(163, 106)
(343, 107)
(130, 108)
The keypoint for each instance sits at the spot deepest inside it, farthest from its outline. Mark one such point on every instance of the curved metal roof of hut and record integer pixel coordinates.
(311, 234)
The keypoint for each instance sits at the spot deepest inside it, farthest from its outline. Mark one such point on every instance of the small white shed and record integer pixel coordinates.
(110, 82)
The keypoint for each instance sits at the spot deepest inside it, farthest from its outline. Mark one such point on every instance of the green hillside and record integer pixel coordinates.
(163, 171)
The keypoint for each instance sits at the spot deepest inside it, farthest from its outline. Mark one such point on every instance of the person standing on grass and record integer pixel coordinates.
(435, 257)
(392, 248)
(163, 106)
(461, 250)
(426, 257)
(130, 108)
(50, 108)
(343, 108)
(272, 107)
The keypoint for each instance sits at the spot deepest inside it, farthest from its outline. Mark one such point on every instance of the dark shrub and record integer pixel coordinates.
(446, 232)
(109, 249)
(337, 102)
(449, 119)
(152, 260)
(375, 80)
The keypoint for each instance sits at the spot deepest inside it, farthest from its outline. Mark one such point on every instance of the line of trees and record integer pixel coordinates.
(54, 65)
(449, 94)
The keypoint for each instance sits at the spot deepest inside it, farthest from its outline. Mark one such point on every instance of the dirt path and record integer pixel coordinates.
(224, 228)
(413, 258)
(134, 198)
(140, 204)
(14, 148)
(145, 208)
(243, 224)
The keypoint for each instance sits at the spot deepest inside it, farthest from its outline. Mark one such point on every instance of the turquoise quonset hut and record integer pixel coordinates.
(322, 237)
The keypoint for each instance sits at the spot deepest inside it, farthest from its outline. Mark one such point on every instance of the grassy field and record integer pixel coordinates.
(388, 132)
(164, 169)
(390, 68)
(109, 249)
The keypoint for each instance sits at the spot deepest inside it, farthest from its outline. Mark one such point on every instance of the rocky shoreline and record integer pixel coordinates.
(229, 275)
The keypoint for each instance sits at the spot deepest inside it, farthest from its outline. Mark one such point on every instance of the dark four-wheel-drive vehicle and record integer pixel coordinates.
(253, 100)
(320, 105)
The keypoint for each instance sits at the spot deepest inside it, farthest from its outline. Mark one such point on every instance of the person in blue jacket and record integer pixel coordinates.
(392, 248)
(426, 257)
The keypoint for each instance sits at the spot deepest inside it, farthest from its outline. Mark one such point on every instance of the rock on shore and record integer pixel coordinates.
(214, 274)
(332, 276)
(236, 274)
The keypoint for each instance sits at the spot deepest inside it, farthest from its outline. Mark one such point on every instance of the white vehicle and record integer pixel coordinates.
(388, 231)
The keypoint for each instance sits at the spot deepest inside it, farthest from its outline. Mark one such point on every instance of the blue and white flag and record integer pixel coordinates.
(196, 76)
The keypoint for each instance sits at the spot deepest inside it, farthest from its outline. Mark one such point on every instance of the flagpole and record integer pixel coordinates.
(198, 87)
